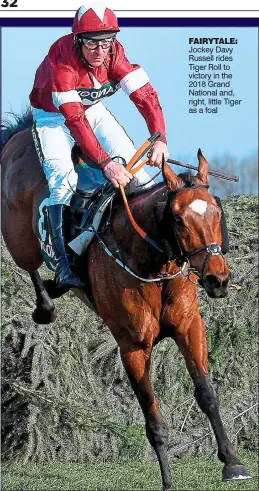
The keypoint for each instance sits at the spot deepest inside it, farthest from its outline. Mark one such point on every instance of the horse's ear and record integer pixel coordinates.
(171, 180)
(203, 168)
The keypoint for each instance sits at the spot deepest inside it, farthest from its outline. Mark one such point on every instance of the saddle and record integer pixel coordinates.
(86, 211)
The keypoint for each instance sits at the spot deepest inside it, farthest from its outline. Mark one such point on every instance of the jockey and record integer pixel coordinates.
(80, 70)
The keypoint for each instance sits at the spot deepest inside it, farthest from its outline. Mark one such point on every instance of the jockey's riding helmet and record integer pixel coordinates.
(94, 20)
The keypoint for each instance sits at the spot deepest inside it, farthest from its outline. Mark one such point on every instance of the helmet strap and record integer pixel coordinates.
(78, 46)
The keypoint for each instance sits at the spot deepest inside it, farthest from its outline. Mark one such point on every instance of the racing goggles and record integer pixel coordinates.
(94, 44)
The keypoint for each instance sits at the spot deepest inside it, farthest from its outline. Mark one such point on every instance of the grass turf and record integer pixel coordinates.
(188, 474)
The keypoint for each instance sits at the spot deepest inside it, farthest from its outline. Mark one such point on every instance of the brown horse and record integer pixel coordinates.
(184, 220)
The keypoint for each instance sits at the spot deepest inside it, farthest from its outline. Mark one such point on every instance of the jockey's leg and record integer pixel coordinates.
(114, 138)
(53, 143)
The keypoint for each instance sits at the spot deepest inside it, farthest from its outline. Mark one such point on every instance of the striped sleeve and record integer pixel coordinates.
(60, 98)
(134, 80)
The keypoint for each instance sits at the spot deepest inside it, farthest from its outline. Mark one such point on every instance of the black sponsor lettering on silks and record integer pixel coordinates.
(95, 94)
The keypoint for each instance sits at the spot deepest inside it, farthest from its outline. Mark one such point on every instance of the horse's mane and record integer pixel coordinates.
(18, 123)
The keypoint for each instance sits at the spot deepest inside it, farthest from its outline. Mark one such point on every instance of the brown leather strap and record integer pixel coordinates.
(136, 155)
(131, 219)
(124, 197)
(136, 169)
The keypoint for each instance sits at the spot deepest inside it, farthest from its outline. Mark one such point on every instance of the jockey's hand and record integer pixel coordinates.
(158, 150)
(117, 174)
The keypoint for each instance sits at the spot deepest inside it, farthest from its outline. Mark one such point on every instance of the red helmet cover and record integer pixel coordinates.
(94, 17)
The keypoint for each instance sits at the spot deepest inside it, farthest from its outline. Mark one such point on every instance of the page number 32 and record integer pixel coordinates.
(6, 3)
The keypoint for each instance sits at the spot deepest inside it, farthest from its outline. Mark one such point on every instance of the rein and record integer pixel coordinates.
(138, 229)
(118, 261)
(136, 157)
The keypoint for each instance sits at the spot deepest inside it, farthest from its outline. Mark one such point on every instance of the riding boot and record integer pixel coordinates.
(64, 277)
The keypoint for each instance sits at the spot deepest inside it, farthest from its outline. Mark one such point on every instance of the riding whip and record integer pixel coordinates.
(212, 172)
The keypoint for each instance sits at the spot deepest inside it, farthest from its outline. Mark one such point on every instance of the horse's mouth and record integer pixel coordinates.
(214, 286)
(217, 293)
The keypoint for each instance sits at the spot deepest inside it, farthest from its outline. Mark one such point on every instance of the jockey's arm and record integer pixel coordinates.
(146, 101)
(135, 83)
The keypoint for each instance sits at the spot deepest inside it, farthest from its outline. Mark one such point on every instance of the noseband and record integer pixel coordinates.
(212, 249)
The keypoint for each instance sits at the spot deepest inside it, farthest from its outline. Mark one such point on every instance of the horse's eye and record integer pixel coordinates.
(178, 220)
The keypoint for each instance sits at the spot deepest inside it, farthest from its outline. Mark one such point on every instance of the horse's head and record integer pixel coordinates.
(193, 230)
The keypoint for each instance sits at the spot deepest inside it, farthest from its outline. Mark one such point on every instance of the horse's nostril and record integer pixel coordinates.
(214, 282)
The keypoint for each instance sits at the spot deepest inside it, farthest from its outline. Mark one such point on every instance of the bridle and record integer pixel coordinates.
(212, 249)
(181, 260)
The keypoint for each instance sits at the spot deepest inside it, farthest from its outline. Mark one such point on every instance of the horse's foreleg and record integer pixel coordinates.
(45, 312)
(136, 363)
(192, 343)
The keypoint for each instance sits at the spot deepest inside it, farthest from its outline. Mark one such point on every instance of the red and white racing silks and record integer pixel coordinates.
(64, 84)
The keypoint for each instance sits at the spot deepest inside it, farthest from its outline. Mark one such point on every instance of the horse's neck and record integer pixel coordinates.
(142, 205)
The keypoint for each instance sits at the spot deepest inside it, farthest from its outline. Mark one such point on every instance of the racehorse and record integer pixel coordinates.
(149, 293)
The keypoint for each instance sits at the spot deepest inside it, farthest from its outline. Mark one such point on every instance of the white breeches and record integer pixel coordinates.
(56, 143)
